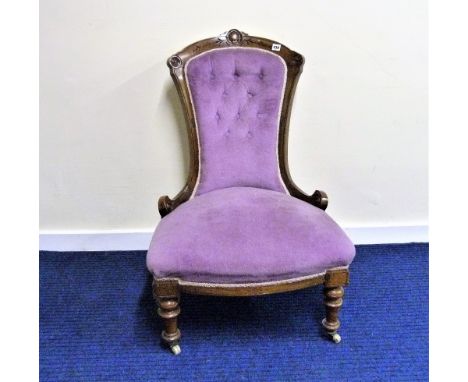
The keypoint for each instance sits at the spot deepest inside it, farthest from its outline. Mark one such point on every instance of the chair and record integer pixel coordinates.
(240, 226)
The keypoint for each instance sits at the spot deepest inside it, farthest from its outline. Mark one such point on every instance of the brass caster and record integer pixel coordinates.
(175, 349)
(335, 337)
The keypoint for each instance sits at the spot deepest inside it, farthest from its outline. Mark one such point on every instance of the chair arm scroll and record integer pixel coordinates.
(319, 199)
(165, 205)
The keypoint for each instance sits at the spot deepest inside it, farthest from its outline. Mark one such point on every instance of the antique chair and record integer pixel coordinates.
(240, 226)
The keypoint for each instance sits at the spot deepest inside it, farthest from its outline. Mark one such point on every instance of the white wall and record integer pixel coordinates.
(112, 138)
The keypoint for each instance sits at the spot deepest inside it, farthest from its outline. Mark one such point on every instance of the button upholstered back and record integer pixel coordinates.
(236, 92)
(237, 95)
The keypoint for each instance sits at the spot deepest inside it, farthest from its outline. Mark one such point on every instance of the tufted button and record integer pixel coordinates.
(225, 93)
(261, 75)
(249, 134)
(238, 115)
(250, 94)
(212, 76)
(217, 116)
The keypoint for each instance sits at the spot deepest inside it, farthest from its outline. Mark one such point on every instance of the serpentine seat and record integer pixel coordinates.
(247, 235)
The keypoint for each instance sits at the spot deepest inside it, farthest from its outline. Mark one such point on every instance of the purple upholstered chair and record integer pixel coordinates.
(240, 226)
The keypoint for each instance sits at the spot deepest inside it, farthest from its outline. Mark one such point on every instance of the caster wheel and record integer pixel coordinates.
(336, 338)
(175, 349)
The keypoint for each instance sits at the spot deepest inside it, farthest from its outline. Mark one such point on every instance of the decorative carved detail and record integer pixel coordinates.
(234, 36)
(175, 61)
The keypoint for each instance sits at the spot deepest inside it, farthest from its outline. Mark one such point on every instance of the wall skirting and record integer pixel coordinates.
(124, 241)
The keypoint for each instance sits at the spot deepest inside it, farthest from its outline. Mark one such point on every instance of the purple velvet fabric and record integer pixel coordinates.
(243, 234)
(237, 95)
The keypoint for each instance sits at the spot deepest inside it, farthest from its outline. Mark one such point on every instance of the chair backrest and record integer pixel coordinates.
(236, 91)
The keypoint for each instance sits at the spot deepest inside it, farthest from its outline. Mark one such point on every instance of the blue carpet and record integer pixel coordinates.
(97, 323)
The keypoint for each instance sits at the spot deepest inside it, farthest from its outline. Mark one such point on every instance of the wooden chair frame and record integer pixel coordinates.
(167, 291)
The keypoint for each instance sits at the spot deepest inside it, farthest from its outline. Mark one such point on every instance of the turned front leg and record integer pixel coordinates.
(334, 292)
(167, 295)
(168, 310)
(333, 302)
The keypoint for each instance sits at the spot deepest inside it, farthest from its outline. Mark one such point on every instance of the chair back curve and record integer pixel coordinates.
(236, 92)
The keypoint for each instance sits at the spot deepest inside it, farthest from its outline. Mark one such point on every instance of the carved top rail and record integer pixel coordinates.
(234, 38)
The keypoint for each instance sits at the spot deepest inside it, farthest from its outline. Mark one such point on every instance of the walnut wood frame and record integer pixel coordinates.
(167, 291)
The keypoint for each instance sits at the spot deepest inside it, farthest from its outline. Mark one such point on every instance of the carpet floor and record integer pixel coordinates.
(97, 323)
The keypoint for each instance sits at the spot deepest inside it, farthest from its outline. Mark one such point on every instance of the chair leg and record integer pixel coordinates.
(167, 297)
(334, 292)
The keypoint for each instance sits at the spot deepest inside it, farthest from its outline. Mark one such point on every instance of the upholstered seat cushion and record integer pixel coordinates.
(243, 234)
